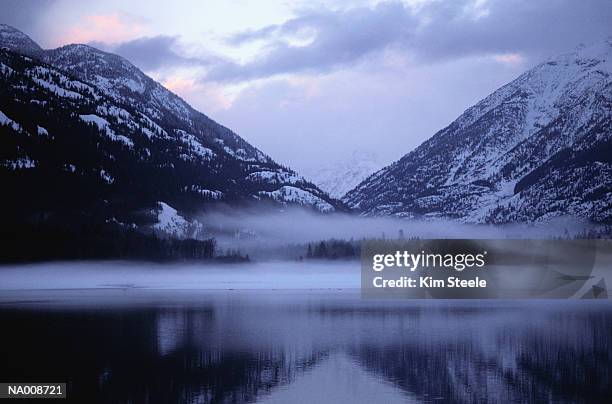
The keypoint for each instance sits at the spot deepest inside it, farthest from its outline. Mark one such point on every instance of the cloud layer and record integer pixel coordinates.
(437, 31)
(152, 53)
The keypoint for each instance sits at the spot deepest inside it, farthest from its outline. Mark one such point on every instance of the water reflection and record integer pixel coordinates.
(279, 347)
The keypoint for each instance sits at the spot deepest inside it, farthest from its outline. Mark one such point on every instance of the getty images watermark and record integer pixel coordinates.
(460, 268)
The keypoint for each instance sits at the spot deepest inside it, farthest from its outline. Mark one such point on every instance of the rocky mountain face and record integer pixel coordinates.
(84, 131)
(341, 176)
(538, 147)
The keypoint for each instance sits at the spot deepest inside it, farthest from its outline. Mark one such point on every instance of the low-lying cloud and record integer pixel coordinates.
(296, 225)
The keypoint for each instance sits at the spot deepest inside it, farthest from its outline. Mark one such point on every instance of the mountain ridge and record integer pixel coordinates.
(12, 38)
(470, 170)
(99, 104)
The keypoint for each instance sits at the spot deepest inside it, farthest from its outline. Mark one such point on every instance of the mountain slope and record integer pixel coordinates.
(13, 39)
(536, 148)
(85, 131)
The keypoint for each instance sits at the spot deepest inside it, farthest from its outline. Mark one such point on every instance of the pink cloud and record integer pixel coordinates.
(510, 58)
(205, 98)
(179, 85)
(109, 28)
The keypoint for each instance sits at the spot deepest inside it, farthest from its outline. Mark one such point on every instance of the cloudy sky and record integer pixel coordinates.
(312, 81)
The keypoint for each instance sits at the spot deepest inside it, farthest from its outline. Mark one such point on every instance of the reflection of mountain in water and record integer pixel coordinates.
(209, 372)
(270, 347)
(559, 359)
(116, 358)
(338, 379)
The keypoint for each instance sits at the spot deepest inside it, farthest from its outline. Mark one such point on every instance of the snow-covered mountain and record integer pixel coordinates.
(13, 39)
(341, 176)
(83, 130)
(538, 147)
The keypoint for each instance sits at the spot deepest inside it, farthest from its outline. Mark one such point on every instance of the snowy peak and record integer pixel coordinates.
(599, 55)
(341, 176)
(17, 41)
(542, 92)
(110, 72)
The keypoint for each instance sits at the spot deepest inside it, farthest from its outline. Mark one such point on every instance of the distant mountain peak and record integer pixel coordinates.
(339, 177)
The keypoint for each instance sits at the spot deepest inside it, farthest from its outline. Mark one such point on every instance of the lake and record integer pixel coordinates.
(135, 344)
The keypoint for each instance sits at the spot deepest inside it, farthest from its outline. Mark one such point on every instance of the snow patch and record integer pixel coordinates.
(41, 131)
(133, 85)
(112, 110)
(57, 90)
(106, 177)
(104, 126)
(289, 194)
(207, 193)
(6, 70)
(5, 120)
(169, 221)
(194, 145)
(20, 163)
(274, 177)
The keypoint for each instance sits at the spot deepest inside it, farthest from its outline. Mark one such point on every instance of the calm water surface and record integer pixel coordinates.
(139, 346)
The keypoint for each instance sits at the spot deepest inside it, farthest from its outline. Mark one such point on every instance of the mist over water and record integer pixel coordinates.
(255, 230)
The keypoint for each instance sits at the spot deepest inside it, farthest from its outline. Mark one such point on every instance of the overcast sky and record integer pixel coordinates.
(311, 81)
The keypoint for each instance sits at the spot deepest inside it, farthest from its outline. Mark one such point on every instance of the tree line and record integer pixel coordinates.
(333, 249)
(44, 242)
